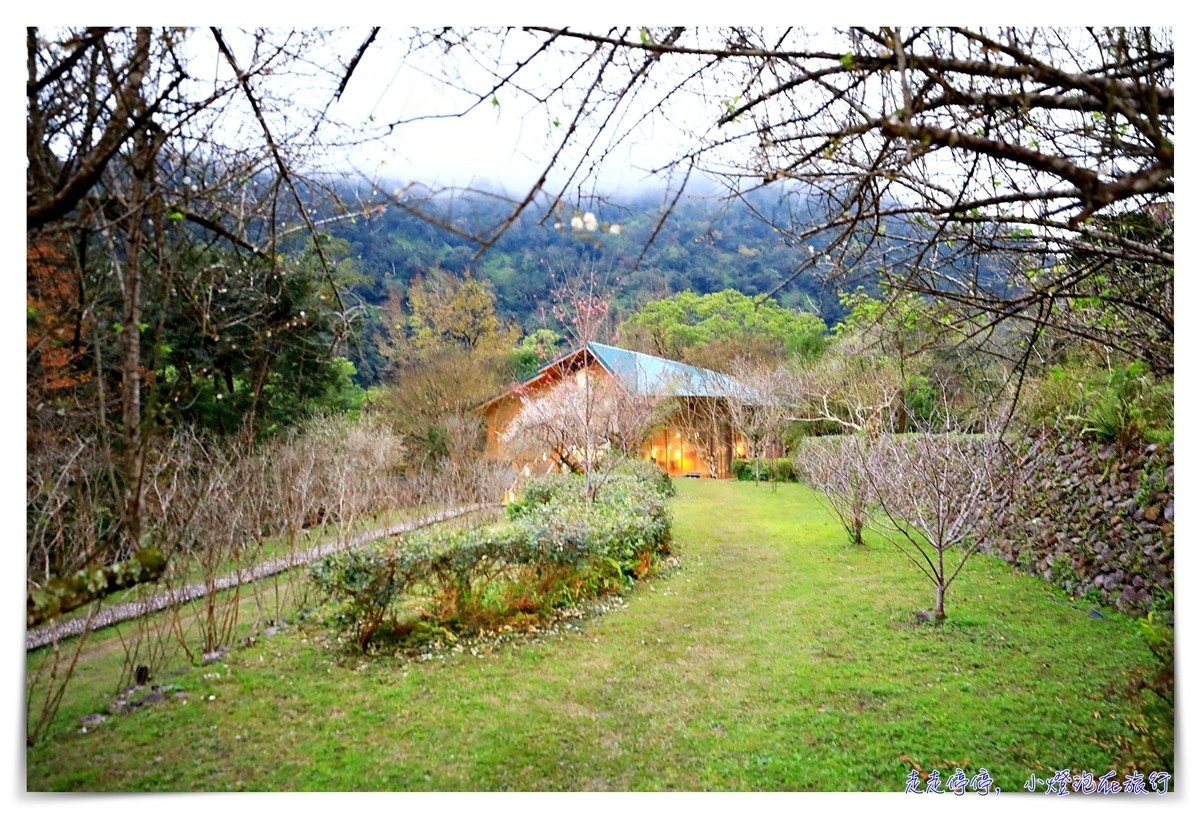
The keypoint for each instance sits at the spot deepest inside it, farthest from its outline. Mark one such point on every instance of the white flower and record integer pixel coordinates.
(576, 223)
(558, 225)
(615, 230)
(589, 221)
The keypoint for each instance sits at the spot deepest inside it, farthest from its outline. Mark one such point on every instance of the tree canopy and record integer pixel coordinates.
(447, 351)
(690, 327)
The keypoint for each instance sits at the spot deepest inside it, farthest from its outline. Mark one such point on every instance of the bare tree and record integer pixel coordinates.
(932, 492)
(758, 409)
(850, 387)
(834, 466)
(706, 424)
(854, 391)
(587, 421)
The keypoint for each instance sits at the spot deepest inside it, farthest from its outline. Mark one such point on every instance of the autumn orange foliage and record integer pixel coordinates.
(54, 334)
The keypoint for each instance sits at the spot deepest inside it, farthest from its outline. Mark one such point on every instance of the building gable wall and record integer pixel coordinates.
(668, 444)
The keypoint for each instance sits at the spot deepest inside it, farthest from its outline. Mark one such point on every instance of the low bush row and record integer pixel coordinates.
(555, 548)
(778, 469)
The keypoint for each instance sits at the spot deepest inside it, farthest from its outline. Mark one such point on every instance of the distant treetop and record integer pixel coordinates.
(710, 330)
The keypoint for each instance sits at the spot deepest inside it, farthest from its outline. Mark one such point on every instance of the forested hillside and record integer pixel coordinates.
(706, 245)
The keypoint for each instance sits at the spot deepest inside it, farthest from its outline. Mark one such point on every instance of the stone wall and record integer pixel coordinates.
(1097, 522)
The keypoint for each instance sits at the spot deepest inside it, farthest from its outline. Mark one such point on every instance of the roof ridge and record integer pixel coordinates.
(636, 376)
(660, 358)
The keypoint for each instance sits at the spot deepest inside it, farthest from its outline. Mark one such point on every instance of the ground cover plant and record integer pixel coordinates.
(775, 657)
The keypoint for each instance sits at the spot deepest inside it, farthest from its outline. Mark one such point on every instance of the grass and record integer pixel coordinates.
(103, 666)
(777, 657)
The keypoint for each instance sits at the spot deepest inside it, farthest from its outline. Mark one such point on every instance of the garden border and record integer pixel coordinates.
(53, 631)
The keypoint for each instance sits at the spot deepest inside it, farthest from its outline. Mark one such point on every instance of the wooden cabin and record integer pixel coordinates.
(695, 440)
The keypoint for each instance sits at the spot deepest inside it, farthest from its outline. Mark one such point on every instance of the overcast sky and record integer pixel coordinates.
(505, 144)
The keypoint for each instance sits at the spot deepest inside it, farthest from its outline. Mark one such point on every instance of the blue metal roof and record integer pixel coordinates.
(643, 374)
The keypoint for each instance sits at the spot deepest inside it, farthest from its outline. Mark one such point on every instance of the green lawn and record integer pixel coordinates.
(776, 657)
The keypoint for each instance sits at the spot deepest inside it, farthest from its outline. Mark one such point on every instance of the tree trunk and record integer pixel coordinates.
(145, 146)
(131, 378)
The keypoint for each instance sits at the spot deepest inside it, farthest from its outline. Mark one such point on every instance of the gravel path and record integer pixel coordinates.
(46, 634)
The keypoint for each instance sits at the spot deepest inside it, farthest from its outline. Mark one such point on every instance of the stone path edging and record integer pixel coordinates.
(44, 635)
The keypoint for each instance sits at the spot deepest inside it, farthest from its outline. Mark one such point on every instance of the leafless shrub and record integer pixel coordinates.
(354, 461)
(932, 492)
(587, 421)
(833, 466)
(219, 507)
(48, 685)
(461, 476)
(460, 471)
(201, 496)
(68, 495)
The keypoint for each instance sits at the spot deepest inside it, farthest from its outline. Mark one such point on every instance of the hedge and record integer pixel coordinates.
(556, 547)
(780, 469)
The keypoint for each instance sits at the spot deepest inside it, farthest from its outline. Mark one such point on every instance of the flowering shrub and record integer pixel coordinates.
(556, 547)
